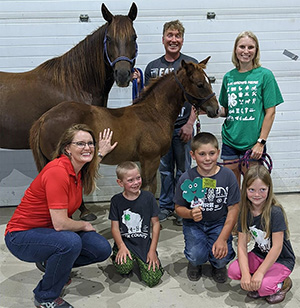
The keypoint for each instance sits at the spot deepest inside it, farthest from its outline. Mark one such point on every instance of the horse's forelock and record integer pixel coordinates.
(121, 26)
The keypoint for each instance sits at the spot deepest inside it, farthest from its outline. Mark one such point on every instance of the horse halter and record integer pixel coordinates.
(121, 58)
(189, 97)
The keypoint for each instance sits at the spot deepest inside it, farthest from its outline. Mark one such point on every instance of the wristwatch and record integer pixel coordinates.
(262, 141)
(100, 155)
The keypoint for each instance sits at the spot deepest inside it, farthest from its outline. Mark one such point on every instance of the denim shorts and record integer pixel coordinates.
(230, 153)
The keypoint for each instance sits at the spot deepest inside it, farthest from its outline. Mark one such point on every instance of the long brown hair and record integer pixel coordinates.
(258, 171)
(89, 172)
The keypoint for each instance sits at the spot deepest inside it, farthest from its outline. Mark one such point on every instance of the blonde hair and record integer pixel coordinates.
(258, 171)
(124, 167)
(89, 172)
(256, 59)
(204, 138)
(174, 25)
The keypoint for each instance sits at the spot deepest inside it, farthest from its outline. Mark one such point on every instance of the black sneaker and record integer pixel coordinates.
(178, 220)
(59, 302)
(164, 214)
(253, 294)
(194, 272)
(219, 274)
(41, 266)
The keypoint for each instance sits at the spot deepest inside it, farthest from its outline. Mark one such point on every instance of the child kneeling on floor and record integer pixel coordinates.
(132, 213)
(207, 198)
(264, 271)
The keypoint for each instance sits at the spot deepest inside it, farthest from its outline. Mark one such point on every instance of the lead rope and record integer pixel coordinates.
(135, 87)
(198, 124)
(244, 161)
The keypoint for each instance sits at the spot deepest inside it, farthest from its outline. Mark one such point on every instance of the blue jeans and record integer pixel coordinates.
(177, 157)
(199, 238)
(62, 250)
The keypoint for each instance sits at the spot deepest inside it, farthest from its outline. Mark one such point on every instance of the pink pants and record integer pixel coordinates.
(276, 274)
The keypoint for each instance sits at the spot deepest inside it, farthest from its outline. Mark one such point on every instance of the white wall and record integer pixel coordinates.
(33, 31)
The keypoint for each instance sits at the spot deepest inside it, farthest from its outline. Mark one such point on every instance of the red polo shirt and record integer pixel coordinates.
(55, 187)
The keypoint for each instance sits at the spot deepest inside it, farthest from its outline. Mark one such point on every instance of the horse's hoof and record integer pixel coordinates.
(88, 217)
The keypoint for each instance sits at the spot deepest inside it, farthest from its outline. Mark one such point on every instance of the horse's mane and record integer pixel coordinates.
(154, 83)
(83, 66)
(73, 67)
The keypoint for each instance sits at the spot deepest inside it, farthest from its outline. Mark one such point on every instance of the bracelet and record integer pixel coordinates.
(100, 155)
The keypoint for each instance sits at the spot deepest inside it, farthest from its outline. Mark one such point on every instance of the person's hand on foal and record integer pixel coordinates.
(105, 139)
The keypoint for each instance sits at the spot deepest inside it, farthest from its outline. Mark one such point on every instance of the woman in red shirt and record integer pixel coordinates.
(42, 227)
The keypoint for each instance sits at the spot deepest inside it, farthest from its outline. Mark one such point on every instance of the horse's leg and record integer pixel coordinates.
(85, 214)
(148, 172)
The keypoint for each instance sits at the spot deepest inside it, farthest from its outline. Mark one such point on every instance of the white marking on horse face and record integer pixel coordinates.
(206, 79)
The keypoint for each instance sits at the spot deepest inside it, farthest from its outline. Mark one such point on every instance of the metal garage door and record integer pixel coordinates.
(33, 31)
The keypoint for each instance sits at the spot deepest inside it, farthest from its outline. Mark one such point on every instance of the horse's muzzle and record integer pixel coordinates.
(122, 77)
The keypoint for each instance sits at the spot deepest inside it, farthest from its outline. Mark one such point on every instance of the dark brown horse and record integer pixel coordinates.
(85, 74)
(143, 130)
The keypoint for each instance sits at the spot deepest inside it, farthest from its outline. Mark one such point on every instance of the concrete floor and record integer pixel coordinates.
(100, 286)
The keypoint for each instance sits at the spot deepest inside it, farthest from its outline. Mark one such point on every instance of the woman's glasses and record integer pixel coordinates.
(82, 144)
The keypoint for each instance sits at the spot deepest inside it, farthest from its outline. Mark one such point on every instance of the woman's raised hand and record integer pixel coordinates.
(104, 142)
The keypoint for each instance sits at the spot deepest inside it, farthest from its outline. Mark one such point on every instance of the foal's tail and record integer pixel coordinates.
(34, 142)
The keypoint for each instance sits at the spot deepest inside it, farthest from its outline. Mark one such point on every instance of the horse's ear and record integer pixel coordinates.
(189, 67)
(204, 62)
(183, 64)
(133, 12)
(107, 15)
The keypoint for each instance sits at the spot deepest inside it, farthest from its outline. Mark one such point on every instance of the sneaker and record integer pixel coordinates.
(178, 221)
(41, 266)
(59, 302)
(194, 272)
(280, 295)
(253, 294)
(219, 274)
(164, 214)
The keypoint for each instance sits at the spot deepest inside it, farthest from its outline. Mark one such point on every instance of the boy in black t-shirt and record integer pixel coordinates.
(132, 213)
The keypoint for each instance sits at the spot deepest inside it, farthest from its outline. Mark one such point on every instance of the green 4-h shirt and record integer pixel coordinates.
(246, 96)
